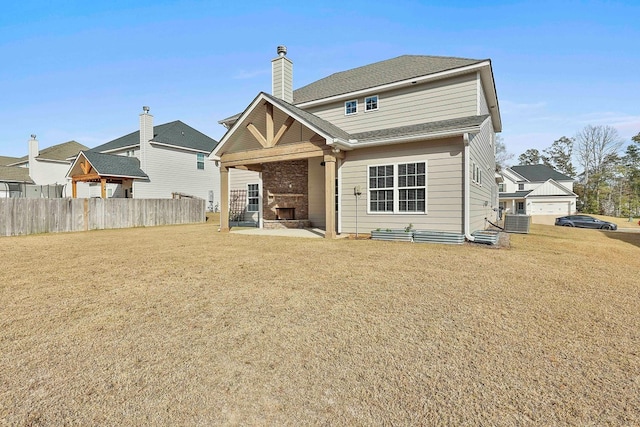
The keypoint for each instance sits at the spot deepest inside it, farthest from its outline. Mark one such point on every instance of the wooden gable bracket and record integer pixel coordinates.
(86, 167)
(270, 139)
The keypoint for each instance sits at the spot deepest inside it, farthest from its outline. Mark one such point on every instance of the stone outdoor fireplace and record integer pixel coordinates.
(286, 195)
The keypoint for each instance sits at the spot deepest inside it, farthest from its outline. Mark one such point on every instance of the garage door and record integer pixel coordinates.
(550, 208)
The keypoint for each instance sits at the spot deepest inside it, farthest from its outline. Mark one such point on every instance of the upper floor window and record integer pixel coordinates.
(350, 107)
(520, 187)
(371, 103)
(200, 161)
(501, 187)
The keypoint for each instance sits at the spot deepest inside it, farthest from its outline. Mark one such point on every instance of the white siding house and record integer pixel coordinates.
(46, 167)
(173, 156)
(537, 190)
(407, 141)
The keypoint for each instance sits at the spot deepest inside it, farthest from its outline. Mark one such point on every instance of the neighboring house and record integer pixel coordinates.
(536, 190)
(406, 141)
(45, 170)
(13, 181)
(171, 156)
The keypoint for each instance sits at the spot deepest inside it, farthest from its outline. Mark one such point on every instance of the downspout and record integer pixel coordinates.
(467, 198)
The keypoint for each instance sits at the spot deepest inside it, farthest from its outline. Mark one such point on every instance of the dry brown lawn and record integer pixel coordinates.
(182, 325)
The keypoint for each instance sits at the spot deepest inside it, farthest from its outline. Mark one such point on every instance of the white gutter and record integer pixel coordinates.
(467, 199)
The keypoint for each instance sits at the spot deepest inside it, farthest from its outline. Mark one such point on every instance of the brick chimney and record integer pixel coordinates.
(146, 135)
(282, 76)
(34, 151)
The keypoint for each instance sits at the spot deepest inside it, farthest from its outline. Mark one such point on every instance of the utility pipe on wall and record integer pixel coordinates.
(467, 198)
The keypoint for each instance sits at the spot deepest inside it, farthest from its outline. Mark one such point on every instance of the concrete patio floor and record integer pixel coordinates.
(285, 232)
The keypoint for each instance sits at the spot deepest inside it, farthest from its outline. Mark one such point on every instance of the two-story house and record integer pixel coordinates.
(168, 161)
(536, 190)
(409, 140)
(41, 173)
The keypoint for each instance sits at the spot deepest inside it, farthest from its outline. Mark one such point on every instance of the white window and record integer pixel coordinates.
(477, 174)
(398, 188)
(200, 161)
(351, 107)
(501, 187)
(520, 187)
(253, 197)
(371, 103)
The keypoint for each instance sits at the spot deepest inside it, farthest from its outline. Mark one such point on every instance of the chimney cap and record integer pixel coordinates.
(145, 109)
(282, 50)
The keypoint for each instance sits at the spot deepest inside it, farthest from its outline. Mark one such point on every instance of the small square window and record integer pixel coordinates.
(371, 103)
(520, 187)
(351, 107)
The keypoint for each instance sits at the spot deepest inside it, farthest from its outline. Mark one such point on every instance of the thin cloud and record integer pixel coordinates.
(250, 74)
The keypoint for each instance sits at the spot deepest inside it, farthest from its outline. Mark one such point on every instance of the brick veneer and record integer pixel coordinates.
(285, 185)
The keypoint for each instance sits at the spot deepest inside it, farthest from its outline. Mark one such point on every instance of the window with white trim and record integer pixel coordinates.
(520, 187)
(371, 103)
(501, 187)
(477, 174)
(351, 107)
(398, 188)
(200, 161)
(253, 197)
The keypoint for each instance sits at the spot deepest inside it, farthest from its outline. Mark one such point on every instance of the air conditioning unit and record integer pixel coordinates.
(517, 223)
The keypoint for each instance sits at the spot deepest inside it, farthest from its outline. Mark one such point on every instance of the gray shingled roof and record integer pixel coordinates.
(173, 133)
(114, 165)
(516, 195)
(15, 174)
(323, 125)
(539, 173)
(6, 160)
(57, 152)
(430, 127)
(397, 69)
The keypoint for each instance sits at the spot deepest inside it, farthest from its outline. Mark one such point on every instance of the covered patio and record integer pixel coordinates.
(292, 152)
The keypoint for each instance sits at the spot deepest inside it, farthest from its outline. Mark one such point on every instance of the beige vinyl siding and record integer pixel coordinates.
(427, 102)
(443, 178)
(316, 192)
(483, 107)
(483, 198)
(238, 180)
(173, 170)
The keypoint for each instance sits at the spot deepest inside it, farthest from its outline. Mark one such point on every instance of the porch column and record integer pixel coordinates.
(330, 196)
(103, 188)
(74, 188)
(224, 199)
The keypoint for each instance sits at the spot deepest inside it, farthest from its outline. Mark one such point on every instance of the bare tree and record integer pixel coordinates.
(596, 147)
(502, 155)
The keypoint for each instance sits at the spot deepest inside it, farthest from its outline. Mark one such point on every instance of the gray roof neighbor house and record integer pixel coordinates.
(539, 173)
(174, 133)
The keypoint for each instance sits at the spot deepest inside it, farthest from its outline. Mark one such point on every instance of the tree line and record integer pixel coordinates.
(607, 178)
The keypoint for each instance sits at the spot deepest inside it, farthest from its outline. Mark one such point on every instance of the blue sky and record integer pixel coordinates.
(79, 70)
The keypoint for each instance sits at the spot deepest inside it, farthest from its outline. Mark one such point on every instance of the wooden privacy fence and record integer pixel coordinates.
(20, 216)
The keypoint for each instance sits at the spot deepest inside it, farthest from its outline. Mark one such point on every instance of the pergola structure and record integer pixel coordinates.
(105, 169)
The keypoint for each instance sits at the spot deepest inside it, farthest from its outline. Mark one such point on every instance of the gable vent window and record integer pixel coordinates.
(350, 107)
(200, 161)
(371, 103)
